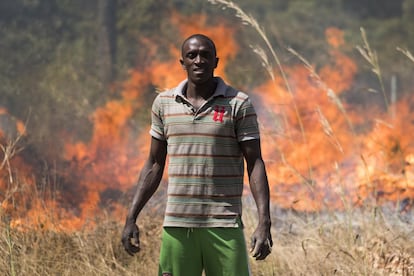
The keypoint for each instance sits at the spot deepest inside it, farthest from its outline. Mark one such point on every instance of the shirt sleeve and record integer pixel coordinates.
(157, 124)
(247, 127)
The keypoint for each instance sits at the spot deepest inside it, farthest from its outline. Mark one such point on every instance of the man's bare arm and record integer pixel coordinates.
(148, 182)
(261, 241)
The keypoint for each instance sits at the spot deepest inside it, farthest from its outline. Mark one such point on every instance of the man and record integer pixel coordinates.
(208, 128)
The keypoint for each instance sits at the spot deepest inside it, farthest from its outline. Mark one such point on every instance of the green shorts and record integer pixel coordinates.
(187, 251)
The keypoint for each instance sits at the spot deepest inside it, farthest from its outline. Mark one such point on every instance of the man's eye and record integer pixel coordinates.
(206, 55)
(191, 55)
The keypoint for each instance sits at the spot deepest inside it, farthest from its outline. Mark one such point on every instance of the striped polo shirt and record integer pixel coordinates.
(206, 165)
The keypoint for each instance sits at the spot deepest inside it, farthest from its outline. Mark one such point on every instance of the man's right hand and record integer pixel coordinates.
(130, 238)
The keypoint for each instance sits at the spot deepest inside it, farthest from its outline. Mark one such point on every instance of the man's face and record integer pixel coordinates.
(199, 60)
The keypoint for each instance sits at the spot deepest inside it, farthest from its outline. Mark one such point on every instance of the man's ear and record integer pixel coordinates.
(217, 60)
(182, 63)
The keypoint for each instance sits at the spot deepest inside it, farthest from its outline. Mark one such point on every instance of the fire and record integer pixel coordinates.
(388, 153)
(315, 159)
(327, 162)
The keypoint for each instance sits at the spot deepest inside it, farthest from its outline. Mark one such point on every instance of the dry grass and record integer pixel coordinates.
(355, 243)
(335, 244)
(97, 252)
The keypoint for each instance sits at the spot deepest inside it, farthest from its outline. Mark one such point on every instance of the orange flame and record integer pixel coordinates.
(320, 165)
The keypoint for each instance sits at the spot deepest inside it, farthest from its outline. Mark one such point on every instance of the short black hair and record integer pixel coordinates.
(209, 40)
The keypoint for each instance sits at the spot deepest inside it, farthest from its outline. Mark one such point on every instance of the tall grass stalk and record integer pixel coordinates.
(10, 247)
(10, 149)
(371, 57)
(330, 92)
(406, 53)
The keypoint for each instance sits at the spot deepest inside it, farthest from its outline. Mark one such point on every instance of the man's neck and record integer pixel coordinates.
(201, 91)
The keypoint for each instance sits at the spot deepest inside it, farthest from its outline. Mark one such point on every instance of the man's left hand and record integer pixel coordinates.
(261, 244)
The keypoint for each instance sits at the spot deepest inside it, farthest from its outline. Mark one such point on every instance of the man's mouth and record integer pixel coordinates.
(199, 70)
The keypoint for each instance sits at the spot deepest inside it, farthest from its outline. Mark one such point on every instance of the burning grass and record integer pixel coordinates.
(371, 241)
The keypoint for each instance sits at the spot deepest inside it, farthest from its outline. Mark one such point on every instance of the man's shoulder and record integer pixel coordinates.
(171, 93)
(165, 96)
(166, 93)
(236, 94)
(232, 92)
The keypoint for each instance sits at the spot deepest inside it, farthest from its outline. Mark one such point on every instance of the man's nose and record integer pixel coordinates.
(198, 59)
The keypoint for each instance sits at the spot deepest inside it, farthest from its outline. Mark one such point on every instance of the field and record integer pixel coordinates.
(371, 241)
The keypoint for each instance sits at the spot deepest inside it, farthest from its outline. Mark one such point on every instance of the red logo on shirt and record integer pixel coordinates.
(219, 113)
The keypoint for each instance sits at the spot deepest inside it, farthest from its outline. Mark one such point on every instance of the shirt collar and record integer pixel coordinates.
(220, 89)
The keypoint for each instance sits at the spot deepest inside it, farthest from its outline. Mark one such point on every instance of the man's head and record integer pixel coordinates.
(201, 37)
(198, 57)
